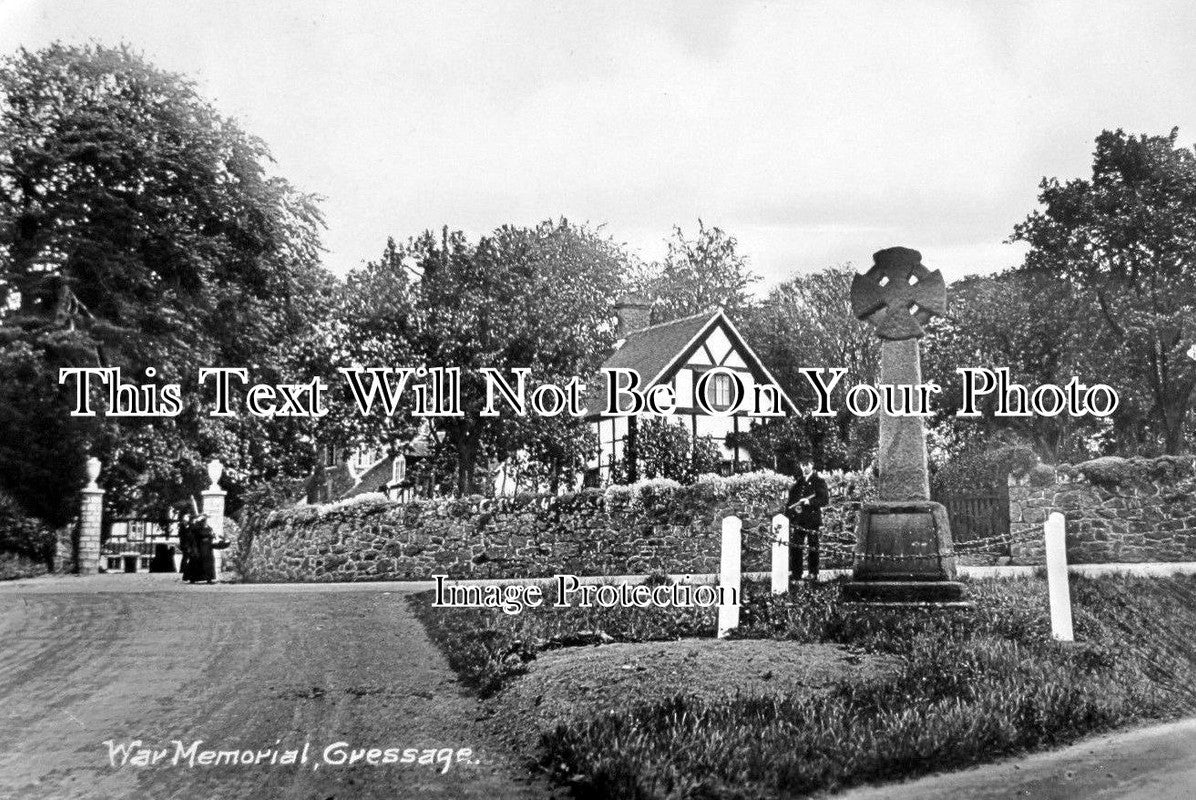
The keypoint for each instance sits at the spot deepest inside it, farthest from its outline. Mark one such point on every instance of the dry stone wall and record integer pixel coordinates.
(1117, 510)
(655, 525)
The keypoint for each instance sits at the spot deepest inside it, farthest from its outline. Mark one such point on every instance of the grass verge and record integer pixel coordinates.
(973, 685)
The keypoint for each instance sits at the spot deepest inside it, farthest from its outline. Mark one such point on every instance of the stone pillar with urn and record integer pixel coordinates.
(91, 521)
(213, 509)
(904, 553)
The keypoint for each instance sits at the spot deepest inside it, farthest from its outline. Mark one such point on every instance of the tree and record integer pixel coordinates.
(139, 229)
(1032, 324)
(808, 322)
(536, 298)
(1125, 241)
(375, 323)
(782, 444)
(698, 274)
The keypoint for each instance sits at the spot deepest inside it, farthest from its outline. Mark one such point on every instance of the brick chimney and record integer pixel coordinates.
(634, 312)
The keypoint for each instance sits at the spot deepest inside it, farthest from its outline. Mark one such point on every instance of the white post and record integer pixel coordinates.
(1060, 596)
(213, 509)
(780, 554)
(728, 576)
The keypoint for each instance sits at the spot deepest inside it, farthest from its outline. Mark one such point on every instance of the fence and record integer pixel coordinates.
(978, 517)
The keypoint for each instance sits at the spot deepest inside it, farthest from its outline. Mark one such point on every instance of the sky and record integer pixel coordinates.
(815, 133)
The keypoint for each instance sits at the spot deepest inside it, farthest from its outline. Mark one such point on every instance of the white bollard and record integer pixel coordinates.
(1057, 588)
(729, 574)
(780, 554)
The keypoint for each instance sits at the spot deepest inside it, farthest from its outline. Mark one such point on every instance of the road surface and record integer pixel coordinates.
(242, 668)
(1152, 763)
(276, 667)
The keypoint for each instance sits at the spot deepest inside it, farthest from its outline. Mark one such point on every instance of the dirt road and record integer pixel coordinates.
(242, 668)
(1152, 763)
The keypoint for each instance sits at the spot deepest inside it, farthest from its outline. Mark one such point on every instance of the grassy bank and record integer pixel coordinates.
(971, 686)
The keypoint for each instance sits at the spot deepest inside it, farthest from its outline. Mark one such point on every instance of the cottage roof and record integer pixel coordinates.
(372, 479)
(658, 351)
(382, 470)
(649, 350)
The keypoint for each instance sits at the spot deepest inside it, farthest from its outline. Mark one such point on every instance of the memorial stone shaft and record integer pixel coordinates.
(904, 552)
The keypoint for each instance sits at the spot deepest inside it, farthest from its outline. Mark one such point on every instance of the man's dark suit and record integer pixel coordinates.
(805, 521)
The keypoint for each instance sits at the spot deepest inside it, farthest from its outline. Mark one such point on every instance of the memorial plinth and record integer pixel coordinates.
(904, 553)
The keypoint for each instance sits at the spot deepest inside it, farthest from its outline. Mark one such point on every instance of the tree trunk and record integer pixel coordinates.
(467, 460)
(1173, 431)
(1174, 408)
(631, 450)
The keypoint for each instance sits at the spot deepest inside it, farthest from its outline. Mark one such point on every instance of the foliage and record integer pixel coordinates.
(783, 443)
(1030, 323)
(139, 230)
(555, 450)
(667, 450)
(535, 298)
(1125, 242)
(699, 274)
(981, 469)
(1112, 471)
(808, 322)
(970, 686)
(763, 486)
(22, 533)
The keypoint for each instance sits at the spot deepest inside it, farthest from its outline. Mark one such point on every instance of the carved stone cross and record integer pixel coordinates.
(898, 295)
(903, 539)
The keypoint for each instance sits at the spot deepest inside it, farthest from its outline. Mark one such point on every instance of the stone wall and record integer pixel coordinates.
(654, 525)
(1117, 510)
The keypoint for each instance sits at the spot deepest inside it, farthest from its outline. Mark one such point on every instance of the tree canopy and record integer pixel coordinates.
(140, 229)
(1125, 242)
(537, 298)
(698, 274)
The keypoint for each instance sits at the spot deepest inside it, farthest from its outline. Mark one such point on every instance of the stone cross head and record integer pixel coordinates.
(898, 295)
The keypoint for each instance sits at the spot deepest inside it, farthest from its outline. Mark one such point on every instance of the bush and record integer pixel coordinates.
(1111, 471)
(667, 450)
(23, 534)
(982, 470)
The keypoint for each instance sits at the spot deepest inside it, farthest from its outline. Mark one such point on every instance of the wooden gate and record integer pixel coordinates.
(975, 517)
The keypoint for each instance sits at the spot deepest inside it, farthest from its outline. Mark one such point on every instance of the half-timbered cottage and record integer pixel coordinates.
(678, 354)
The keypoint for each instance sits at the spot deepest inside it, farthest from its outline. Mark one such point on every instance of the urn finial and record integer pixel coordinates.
(215, 470)
(94, 465)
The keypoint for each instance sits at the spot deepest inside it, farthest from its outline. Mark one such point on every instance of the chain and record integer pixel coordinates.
(833, 544)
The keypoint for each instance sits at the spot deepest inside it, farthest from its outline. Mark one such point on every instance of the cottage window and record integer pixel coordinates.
(363, 458)
(722, 391)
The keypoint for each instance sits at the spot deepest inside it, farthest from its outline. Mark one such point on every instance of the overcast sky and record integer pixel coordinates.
(816, 133)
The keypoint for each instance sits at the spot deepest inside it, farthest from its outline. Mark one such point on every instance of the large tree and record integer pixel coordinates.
(807, 322)
(139, 229)
(1125, 241)
(535, 297)
(1032, 324)
(698, 274)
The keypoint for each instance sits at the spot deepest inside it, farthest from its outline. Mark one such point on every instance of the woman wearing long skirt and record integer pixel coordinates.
(205, 545)
(188, 545)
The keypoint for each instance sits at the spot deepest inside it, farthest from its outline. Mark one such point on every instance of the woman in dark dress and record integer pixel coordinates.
(205, 543)
(187, 545)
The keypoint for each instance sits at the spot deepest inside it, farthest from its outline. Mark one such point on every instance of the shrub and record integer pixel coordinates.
(667, 450)
(982, 469)
(1112, 471)
(23, 534)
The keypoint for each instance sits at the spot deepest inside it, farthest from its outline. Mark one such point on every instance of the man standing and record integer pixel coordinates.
(804, 509)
